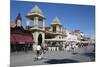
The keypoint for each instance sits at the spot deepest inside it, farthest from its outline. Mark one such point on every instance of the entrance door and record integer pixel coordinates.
(39, 39)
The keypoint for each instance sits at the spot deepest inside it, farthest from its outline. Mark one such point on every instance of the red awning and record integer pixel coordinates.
(19, 38)
(13, 41)
(28, 38)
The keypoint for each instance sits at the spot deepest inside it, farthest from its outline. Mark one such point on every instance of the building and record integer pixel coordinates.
(57, 32)
(54, 35)
(50, 34)
(21, 39)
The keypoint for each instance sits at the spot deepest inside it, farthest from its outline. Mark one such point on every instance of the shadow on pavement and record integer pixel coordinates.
(91, 55)
(59, 61)
(74, 53)
(34, 59)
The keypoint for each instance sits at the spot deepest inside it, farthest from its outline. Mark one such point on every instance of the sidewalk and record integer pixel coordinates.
(54, 57)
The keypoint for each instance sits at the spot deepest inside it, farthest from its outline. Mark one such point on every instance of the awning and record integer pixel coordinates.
(21, 39)
(59, 40)
(12, 40)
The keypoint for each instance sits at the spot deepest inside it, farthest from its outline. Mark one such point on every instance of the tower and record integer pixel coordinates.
(38, 32)
(56, 26)
(18, 20)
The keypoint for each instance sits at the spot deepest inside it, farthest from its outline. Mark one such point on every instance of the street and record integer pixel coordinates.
(83, 54)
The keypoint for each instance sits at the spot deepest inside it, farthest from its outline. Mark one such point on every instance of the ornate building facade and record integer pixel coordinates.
(54, 35)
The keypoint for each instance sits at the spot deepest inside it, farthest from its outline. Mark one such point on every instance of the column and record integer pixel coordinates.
(43, 38)
(57, 28)
(51, 29)
(35, 37)
(27, 22)
(36, 22)
(43, 24)
(61, 29)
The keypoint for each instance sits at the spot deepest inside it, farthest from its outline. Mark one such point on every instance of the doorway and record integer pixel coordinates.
(39, 39)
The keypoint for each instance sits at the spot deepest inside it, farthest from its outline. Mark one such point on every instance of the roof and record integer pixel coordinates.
(35, 11)
(17, 29)
(56, 21)
(12, 24)
(18, 17)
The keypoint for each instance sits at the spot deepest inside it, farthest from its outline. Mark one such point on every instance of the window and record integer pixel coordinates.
(54, 28)
(59, 37)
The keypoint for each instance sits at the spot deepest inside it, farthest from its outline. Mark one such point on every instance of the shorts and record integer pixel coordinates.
(38, 52)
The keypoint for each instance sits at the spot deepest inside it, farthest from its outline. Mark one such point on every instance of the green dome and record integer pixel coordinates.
(35, 11)
(56, 21)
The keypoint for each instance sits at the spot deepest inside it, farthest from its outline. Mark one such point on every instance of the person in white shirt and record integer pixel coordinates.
(34, 46)
(38, 52)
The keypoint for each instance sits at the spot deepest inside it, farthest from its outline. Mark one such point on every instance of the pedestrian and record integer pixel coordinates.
(38, 52)
(44, 47)
(34, 47)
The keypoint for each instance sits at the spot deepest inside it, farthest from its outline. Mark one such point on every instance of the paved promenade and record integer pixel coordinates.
(84, 54)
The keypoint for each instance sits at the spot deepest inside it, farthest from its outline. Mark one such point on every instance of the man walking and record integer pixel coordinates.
(38, 52)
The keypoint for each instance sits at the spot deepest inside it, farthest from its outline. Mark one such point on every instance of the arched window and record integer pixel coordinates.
(59, 37)
(39, 39)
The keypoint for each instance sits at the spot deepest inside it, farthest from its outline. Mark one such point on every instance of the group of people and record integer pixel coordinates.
(40, 50)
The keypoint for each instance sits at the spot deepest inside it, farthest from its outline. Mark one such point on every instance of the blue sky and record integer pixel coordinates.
(72, 16)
